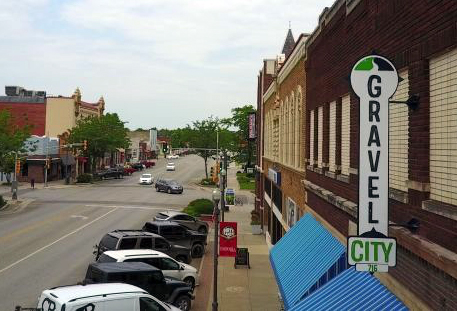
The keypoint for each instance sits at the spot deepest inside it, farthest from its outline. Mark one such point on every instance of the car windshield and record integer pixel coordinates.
(146, 176)
(171, 164)
(161, 216)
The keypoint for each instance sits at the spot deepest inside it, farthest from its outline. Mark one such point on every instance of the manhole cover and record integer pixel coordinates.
(235, 289)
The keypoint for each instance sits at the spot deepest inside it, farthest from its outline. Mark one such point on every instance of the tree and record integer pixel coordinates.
(245, 148)
(106, 133)
(204, 138)
(12, 138)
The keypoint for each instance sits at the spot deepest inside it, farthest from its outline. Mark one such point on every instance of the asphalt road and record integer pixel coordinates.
(50, 242)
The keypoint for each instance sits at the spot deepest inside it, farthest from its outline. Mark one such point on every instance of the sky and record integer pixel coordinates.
(157, 63)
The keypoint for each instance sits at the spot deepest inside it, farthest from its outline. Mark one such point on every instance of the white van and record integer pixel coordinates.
(100, 297)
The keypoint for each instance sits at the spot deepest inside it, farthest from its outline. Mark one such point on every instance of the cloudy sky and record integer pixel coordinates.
(160, 63)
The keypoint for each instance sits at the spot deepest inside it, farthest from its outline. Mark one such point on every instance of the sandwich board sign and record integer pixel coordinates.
(374, 79)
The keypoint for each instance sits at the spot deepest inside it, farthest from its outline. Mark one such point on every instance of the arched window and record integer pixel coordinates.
(292, 129)
(298, 127)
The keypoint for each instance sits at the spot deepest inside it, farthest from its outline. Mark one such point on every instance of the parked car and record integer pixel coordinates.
(110, 173)
(144, 276)
(171, 166)
(137, 166)
(134, 239)
(146, 179)
(168, 185)
(148, 164)
(177, 234)
(168, 265)
(183, 219)
(94, 297)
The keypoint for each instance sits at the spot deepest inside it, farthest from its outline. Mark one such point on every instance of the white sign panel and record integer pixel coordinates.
(372, 254)
(251, 123)
(374, 79)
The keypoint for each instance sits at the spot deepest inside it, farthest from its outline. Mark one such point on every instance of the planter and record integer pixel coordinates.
(256, 229)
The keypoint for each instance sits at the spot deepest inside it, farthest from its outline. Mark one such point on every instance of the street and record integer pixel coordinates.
(50, 242)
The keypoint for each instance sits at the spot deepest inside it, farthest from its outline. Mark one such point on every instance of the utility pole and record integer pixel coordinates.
(14, 187)
(46, 163)
(222, 182)
(216, 198)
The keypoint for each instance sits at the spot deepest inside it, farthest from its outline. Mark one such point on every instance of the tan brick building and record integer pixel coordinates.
(281, 196)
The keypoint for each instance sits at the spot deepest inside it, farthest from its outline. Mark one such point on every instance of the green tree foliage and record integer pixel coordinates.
(12, 138)
(106, 133)
(204, 138)
(245, 149)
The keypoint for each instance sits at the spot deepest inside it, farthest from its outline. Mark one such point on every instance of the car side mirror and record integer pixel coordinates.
(181, 267)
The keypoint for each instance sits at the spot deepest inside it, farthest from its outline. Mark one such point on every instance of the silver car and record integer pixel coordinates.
(183, 219)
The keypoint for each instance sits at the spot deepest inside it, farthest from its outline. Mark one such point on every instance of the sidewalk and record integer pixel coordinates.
(245, 289)
(55, 184)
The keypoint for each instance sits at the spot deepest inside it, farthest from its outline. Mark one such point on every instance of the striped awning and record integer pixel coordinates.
(304, 259)
(351, 290)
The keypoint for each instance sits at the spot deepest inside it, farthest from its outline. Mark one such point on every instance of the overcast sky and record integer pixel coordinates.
(158, 63)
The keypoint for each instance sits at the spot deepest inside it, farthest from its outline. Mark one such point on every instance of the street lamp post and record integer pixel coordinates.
(216, 199)
(223, 182)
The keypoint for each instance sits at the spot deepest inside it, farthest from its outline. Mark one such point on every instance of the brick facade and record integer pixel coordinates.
(27, 113)
(288, 80)
(408, 33)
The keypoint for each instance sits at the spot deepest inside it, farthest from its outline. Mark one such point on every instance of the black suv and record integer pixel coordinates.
(132, 239)
(145, 276)
(178, 234)
(169, 186)
(110, 173)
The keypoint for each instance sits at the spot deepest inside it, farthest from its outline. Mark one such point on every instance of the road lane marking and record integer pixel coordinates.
(79, 216)
(56, 241)
(125, 206)
(35, 225)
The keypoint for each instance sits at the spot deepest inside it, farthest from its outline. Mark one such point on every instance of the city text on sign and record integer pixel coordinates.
(374, 79)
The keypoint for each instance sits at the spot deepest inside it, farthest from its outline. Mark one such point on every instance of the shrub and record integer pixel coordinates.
(250, 175)
(207, 181)
(255, 217)
(84, 178)
(2, 202)
(198, 207)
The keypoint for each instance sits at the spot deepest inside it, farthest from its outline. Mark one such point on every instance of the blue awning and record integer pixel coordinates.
(305, 256)
(351, 290)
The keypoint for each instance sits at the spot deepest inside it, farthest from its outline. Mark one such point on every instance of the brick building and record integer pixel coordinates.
(420, 38)
(26, 110)
(280, 106)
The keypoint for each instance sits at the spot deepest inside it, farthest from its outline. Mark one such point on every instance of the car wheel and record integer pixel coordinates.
(190, 281)
(157, 189)
(183, 303)
(203, 229)
(197, 250)
(168, 190)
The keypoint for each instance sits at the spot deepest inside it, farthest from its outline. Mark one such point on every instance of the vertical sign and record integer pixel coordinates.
(251, 123)
(374, 79)
(227, 239)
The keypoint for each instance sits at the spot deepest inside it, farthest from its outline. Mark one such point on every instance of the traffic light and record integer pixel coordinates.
(85, 145)
(165, 148)
(212, 172)
(18, 167)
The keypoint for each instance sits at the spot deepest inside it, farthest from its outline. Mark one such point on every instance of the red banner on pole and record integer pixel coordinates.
(227, 239)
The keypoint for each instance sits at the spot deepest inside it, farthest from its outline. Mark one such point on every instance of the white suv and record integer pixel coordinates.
(168, 265)
(112, 296)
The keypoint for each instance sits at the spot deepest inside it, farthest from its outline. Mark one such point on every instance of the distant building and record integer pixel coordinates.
(26, 107)
(62, 113)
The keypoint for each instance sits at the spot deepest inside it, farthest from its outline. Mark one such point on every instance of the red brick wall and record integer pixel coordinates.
(409, 33)
(28, 113)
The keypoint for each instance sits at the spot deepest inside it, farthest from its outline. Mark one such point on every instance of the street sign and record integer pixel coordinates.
(227, 239)
(251, 125)
(374, 79)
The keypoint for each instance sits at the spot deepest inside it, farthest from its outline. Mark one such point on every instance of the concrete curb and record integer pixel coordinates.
(14, 207)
